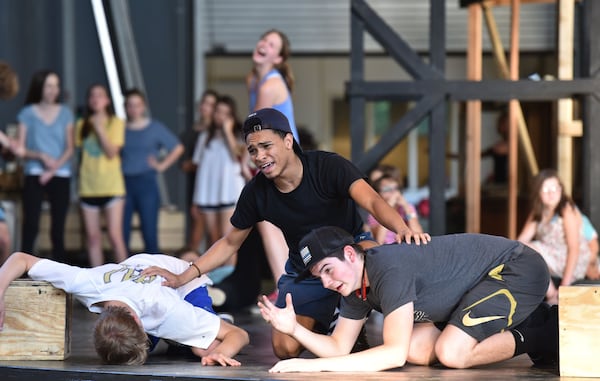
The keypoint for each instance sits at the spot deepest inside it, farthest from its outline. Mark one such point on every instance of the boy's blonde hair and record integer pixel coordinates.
(119, 339)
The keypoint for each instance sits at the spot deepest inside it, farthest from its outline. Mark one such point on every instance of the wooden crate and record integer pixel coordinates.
(579, 330)
(37, 324)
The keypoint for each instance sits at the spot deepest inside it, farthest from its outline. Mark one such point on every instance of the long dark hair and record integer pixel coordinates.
(237, 125)
(36, 86)
(537, 206)
(87, 127)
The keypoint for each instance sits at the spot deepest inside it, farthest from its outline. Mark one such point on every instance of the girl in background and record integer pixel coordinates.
(389, 189)
(220, 175)
(45, 141)
(206, 108)
(554, 229)
(101, 134)
(145, 139)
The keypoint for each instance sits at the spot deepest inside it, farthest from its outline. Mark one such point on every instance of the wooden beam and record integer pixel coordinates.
(465, 90)
(437, 123)
(394, 45)
(473, 146)
(566, 18)
(590, 59)
(573, 128)
(498, 50)
(464, 3)
(357, 101)
(397, 132)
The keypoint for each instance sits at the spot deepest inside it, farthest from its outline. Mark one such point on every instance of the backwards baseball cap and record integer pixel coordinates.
(321, 243)
(268, 119)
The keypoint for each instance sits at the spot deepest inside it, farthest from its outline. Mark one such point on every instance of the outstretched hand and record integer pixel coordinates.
(282, 319)
(408, 235)
(296, 365)
(217, 358)
(171, 280)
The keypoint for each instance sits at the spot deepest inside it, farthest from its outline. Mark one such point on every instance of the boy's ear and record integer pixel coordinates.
(349, 253)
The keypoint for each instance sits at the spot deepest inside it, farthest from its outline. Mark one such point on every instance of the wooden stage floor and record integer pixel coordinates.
(256, 359)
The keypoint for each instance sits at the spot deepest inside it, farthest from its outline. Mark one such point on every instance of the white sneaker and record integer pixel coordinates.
(217, 295)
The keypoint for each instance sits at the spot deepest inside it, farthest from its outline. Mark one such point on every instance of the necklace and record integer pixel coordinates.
(363, 290)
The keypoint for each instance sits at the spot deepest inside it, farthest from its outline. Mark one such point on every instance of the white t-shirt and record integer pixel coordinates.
(163, 311)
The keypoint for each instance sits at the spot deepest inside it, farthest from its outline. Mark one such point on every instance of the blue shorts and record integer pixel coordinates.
(2, 214)
(309, 296)
(199, 298)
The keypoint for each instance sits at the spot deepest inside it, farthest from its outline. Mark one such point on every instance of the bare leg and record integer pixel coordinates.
(212, 226)
(93, 232)
(197, 232)
(276, 248)
(455, 349)
(422, 344)
(114, 226)
(285, 346)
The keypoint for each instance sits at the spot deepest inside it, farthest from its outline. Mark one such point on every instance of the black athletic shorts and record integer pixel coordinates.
(505, 297)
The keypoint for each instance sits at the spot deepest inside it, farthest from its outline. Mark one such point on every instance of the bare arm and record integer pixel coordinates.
(365, 196)
(110, 150)
(284, 320)
(171, 157)
(233, 145)
(15, 266)
(216, 256)
(20, 141)
(273, 91)
(397, 329)
(69, 147)
(528, 232)
(231, 340)
(592, 270)
(52, 165)
(379, 232)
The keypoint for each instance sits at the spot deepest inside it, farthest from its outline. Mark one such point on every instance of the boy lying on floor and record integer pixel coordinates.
(132, 307)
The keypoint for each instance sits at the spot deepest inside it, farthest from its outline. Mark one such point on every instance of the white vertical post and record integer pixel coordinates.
(413, 159)
(109, 58)
(200, 30)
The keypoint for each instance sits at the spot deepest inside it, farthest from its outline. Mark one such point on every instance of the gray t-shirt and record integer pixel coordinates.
(434, 276)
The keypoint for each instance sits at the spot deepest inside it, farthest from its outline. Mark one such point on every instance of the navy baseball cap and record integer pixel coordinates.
(321, 243)
(268, 119)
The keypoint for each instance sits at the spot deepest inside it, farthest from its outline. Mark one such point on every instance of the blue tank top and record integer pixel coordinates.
(286, 107)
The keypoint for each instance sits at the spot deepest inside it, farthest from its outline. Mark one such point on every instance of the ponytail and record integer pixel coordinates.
(284, 67)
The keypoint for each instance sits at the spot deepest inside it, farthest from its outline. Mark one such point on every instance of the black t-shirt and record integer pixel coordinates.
(321, 199)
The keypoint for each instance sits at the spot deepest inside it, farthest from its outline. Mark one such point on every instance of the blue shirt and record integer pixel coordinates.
(286, 107)
(50, 139)
(144, 143)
